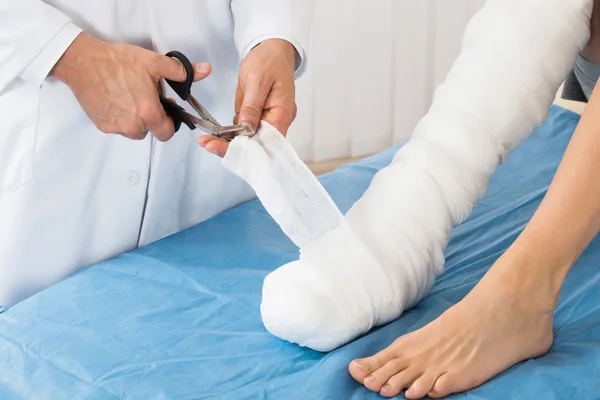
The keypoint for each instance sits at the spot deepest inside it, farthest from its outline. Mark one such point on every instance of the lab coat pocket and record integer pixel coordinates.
(19, 105)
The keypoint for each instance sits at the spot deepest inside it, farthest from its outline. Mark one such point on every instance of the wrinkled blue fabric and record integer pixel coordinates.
(179, 319)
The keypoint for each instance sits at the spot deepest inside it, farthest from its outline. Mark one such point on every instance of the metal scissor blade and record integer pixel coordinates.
(203, 124)
(231, 132)
(222, 132)
(239, 130)
(207, 126)
(203, 112)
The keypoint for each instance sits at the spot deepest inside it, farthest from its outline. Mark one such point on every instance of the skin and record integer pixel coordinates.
(266, 90)
(117, 85)
(515, 301)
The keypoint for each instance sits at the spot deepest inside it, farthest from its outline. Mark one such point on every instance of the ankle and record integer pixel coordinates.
(535, 281)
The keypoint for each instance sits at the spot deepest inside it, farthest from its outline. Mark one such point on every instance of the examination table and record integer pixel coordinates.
(179, 319)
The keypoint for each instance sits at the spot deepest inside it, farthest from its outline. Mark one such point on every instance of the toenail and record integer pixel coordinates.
(370, 378)
(362, 365)
(386, 388)
(410, 391)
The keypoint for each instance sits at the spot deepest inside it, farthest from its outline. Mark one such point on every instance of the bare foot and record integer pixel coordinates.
(504, 320)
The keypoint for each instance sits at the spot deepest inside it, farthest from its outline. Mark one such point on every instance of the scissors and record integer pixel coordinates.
(204, 120)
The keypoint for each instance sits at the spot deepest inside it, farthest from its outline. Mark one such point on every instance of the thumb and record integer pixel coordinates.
(252, 107)
(173, 70)
(201, 71)
(279, 118)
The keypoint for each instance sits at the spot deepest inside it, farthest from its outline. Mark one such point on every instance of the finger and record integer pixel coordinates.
(218, 147)
(157, 121)
(201, 71)
(281, 118)
(253, 103)
(164, 130)
(204, 139)
(133, 132)
(131, 128)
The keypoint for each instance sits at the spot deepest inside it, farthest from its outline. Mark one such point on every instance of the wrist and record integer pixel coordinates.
(281, 48)
(69, 66)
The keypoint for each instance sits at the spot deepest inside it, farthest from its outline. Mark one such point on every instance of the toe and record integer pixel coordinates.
(380, 376)
(399, 382)
(361, 368)
(421, 386)
(442, 387)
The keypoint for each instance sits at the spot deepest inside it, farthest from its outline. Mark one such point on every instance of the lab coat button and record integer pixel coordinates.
(133, 178)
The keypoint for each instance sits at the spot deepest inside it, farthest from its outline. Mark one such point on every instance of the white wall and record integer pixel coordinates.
(373, 67)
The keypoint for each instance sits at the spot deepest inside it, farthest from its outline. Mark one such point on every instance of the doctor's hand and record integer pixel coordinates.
(117, 85)
(266, 90)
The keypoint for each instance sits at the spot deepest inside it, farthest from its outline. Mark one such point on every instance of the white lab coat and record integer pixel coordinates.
(71, 196)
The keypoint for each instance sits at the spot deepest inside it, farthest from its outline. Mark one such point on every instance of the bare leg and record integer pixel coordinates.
(507, 318)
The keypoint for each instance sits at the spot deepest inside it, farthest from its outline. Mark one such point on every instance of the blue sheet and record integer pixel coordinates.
(180, 319)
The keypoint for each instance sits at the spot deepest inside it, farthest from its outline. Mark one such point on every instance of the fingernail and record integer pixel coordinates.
(202, 68)
(365, 366)
(386, 388)
(245, 123)
(216, 153)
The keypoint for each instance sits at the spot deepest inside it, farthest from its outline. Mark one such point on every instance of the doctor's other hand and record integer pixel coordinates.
(117, 85)
(266, 90)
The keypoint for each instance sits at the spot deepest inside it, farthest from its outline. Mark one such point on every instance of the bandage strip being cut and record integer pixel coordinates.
(364, 269)
(284, 184)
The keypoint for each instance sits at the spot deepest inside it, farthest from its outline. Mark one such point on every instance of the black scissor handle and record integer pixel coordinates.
(183, 89)
(177, 113)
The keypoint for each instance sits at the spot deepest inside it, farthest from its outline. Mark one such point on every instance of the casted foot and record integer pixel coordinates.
(499, 324)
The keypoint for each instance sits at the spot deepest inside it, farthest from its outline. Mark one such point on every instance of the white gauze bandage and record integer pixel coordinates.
(364, 269)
